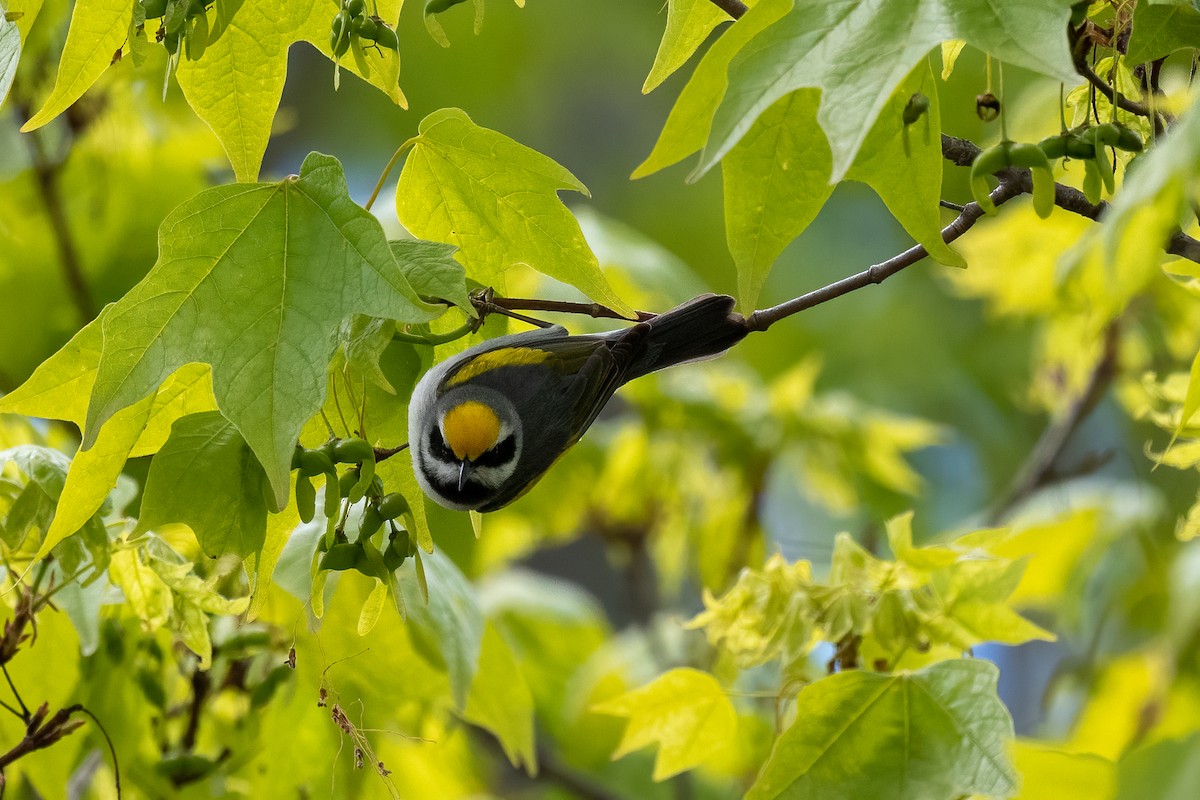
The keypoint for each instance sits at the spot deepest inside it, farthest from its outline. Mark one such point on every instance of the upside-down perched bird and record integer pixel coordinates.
(486, 424)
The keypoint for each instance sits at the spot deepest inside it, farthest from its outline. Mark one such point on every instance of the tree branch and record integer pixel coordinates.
(1038, 470)
(764, 318)
(962, 152)
(46, 174)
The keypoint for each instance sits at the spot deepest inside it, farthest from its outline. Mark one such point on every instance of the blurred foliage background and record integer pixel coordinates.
(927, 393)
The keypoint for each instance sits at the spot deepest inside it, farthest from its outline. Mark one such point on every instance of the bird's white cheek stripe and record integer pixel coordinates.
(446, 473)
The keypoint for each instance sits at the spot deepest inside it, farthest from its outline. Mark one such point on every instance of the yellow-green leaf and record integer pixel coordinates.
(236, 86)
(690, 120)
(688, 24)
(498, 202)
(98, 28)
(951, 49)
(500, 701)
(684, 711)
(147, 594)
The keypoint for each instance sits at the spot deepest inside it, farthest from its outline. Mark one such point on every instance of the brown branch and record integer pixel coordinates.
(962, 152)
(764, 318)
(593, 310)
(1038, 471)
(734, 8)
(46, 174)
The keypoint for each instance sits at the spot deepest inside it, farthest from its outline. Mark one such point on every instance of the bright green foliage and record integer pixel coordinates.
(776, 180)
(778, 177)
(935, 734)
(449, 624)
(98, 28)
(59, 389)
(500, 701)
(942, 596)
(453, 163)
(281, 311)
(235, 87)
(1160, 30)
(835, 48)
(690, 121)
(316, 257)
(764, 617)
(689, 22)
(206, 477)
(1051, 773)
(1166, 770)
(685, 712)
(1154, 200)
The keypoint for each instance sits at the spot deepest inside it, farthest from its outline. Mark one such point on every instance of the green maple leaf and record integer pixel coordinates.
(688, 24)
(1159, 30)
(936, 734)
(98, 28)
(684, 711)
(236, 85)
(690, 120)
(858, 51)
(497, 201)
(255, 281)
(206, 477)
(59, 389)
(778, 177)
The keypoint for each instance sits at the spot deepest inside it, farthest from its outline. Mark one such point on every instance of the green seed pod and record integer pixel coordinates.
(333, 497)
(347, 481)
(372, 521)
(366, 28)
(313, 462)
(397, 550)
(991, 160)
(1098, 136)
(393, 505)
(353, 451)
(339, 34)
(342, 557)
(386, 37)
(365, 479)
(1055, 147)
(154, 8)
(306, 498)
(916, 107)
(355, 7)
(171, 42)
(1031, 157)
(1130, 141)
(1092, 182)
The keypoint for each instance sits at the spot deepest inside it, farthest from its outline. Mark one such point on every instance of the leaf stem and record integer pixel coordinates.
(734, 8)
(387, 171)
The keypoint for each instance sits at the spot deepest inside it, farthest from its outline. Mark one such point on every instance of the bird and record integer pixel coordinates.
(485, 425)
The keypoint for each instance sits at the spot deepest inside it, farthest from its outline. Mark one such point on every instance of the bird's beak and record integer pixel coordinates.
(464, 472)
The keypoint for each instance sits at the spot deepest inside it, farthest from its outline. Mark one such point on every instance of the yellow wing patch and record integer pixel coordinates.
(503, 357)
(471, 429)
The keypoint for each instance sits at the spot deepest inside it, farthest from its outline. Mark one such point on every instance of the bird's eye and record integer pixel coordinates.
(438, 446)
(500, 454)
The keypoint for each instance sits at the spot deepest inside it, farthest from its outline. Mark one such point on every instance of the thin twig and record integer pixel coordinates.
(46, 173)
(1038, 470)
(962, 152)
(384, 453)
(764, 318)
(594, 310)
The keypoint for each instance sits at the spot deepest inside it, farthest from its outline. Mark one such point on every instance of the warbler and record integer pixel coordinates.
(486, 424)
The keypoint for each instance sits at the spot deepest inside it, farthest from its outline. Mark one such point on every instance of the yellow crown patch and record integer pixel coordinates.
(471, 429)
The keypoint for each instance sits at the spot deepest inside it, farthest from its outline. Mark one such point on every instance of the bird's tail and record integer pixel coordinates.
(700, 328)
